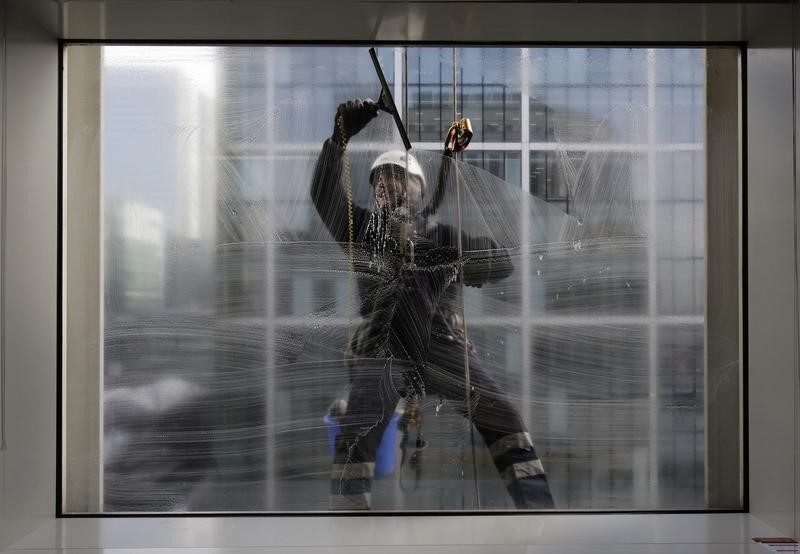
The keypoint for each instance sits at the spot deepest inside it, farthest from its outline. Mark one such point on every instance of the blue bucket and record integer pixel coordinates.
(387, 450)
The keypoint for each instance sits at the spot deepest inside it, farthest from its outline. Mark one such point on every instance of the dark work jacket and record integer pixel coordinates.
(407, 285)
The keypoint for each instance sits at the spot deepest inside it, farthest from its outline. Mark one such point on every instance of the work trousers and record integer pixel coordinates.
(377, 386)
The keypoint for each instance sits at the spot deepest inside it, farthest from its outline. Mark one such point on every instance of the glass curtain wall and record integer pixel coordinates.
(523, 325)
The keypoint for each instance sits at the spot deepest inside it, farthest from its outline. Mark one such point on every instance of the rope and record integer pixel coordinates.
(453, 136)
(350, 237)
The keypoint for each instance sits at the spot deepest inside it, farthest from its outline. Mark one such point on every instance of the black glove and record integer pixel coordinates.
(398, 227)
(400, 233)
(351, 117)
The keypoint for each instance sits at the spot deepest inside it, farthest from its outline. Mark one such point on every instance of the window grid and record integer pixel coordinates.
(659, 323)
(431, 110)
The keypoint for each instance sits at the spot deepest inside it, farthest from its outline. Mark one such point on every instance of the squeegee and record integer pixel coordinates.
(386, 102)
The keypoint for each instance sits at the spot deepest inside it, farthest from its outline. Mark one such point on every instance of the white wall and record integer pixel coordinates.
(771, 291)
(27, 466)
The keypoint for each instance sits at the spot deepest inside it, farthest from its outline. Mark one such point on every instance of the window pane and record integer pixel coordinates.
(291, 313)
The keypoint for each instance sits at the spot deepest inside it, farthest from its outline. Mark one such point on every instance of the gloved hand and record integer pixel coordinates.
(399, 233)
(399, 227)
(351, 117)
(427, 253)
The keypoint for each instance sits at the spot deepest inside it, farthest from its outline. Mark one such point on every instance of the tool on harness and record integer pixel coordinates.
(458, 136)
(412, 417)
(457, 139)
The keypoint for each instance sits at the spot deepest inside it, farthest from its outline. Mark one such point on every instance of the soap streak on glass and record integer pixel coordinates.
(228, 301)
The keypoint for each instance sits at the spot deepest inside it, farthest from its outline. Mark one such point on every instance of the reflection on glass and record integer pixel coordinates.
(286, 328)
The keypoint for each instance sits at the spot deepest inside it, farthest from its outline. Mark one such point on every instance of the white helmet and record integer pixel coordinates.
(405, 161)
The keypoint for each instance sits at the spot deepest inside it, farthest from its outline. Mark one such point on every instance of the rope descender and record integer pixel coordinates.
(459, 135)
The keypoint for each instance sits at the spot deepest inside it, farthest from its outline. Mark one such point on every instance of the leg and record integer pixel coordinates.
(495, 418)
(372, 401)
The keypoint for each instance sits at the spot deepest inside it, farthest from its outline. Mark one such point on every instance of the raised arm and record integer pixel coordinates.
(327, 192)
(485, 261)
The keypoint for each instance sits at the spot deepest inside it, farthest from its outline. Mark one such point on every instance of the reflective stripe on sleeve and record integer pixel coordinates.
(530, 468)
(510, 442)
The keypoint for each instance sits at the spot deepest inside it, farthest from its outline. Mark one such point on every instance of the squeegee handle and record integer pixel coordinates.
(386, 102)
